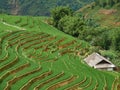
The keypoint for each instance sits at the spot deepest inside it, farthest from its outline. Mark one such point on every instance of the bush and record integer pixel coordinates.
(59, 12)
(109, 54)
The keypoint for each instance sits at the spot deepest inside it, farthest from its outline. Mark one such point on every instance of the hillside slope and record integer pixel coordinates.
(106, 14)
(36, 56)
(39, 7)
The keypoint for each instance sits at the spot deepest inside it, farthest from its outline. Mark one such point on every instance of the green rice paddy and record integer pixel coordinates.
(36, 56)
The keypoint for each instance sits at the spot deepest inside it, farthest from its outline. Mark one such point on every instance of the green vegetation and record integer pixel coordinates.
(87, 29)
(39, 7)
(36, 56)
(59, 12)
(106, 3)
(107, 16)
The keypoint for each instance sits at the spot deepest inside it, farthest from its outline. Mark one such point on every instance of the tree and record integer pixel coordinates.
(114, 36)
(59, 12)
(71, 25)
(104, 3)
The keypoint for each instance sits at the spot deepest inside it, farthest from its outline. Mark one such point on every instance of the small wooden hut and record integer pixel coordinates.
(97, 61)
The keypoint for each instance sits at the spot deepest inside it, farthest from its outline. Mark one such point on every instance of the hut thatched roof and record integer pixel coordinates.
(97, 61)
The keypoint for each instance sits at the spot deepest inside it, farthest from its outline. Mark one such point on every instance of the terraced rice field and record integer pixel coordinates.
(41, 58)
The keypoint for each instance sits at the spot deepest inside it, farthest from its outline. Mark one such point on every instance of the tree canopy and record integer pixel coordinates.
(104, 3)
(86, 29)
(59, 12)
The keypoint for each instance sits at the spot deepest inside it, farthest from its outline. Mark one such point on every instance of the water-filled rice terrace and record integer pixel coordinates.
(35, 60)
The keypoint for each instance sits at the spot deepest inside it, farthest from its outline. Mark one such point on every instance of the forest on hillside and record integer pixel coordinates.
(106, 3)
(39, 7)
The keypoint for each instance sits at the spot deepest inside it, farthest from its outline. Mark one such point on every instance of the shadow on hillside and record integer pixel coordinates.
(117, 69)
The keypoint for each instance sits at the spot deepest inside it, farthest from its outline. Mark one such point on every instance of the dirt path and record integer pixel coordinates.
(17, 27)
